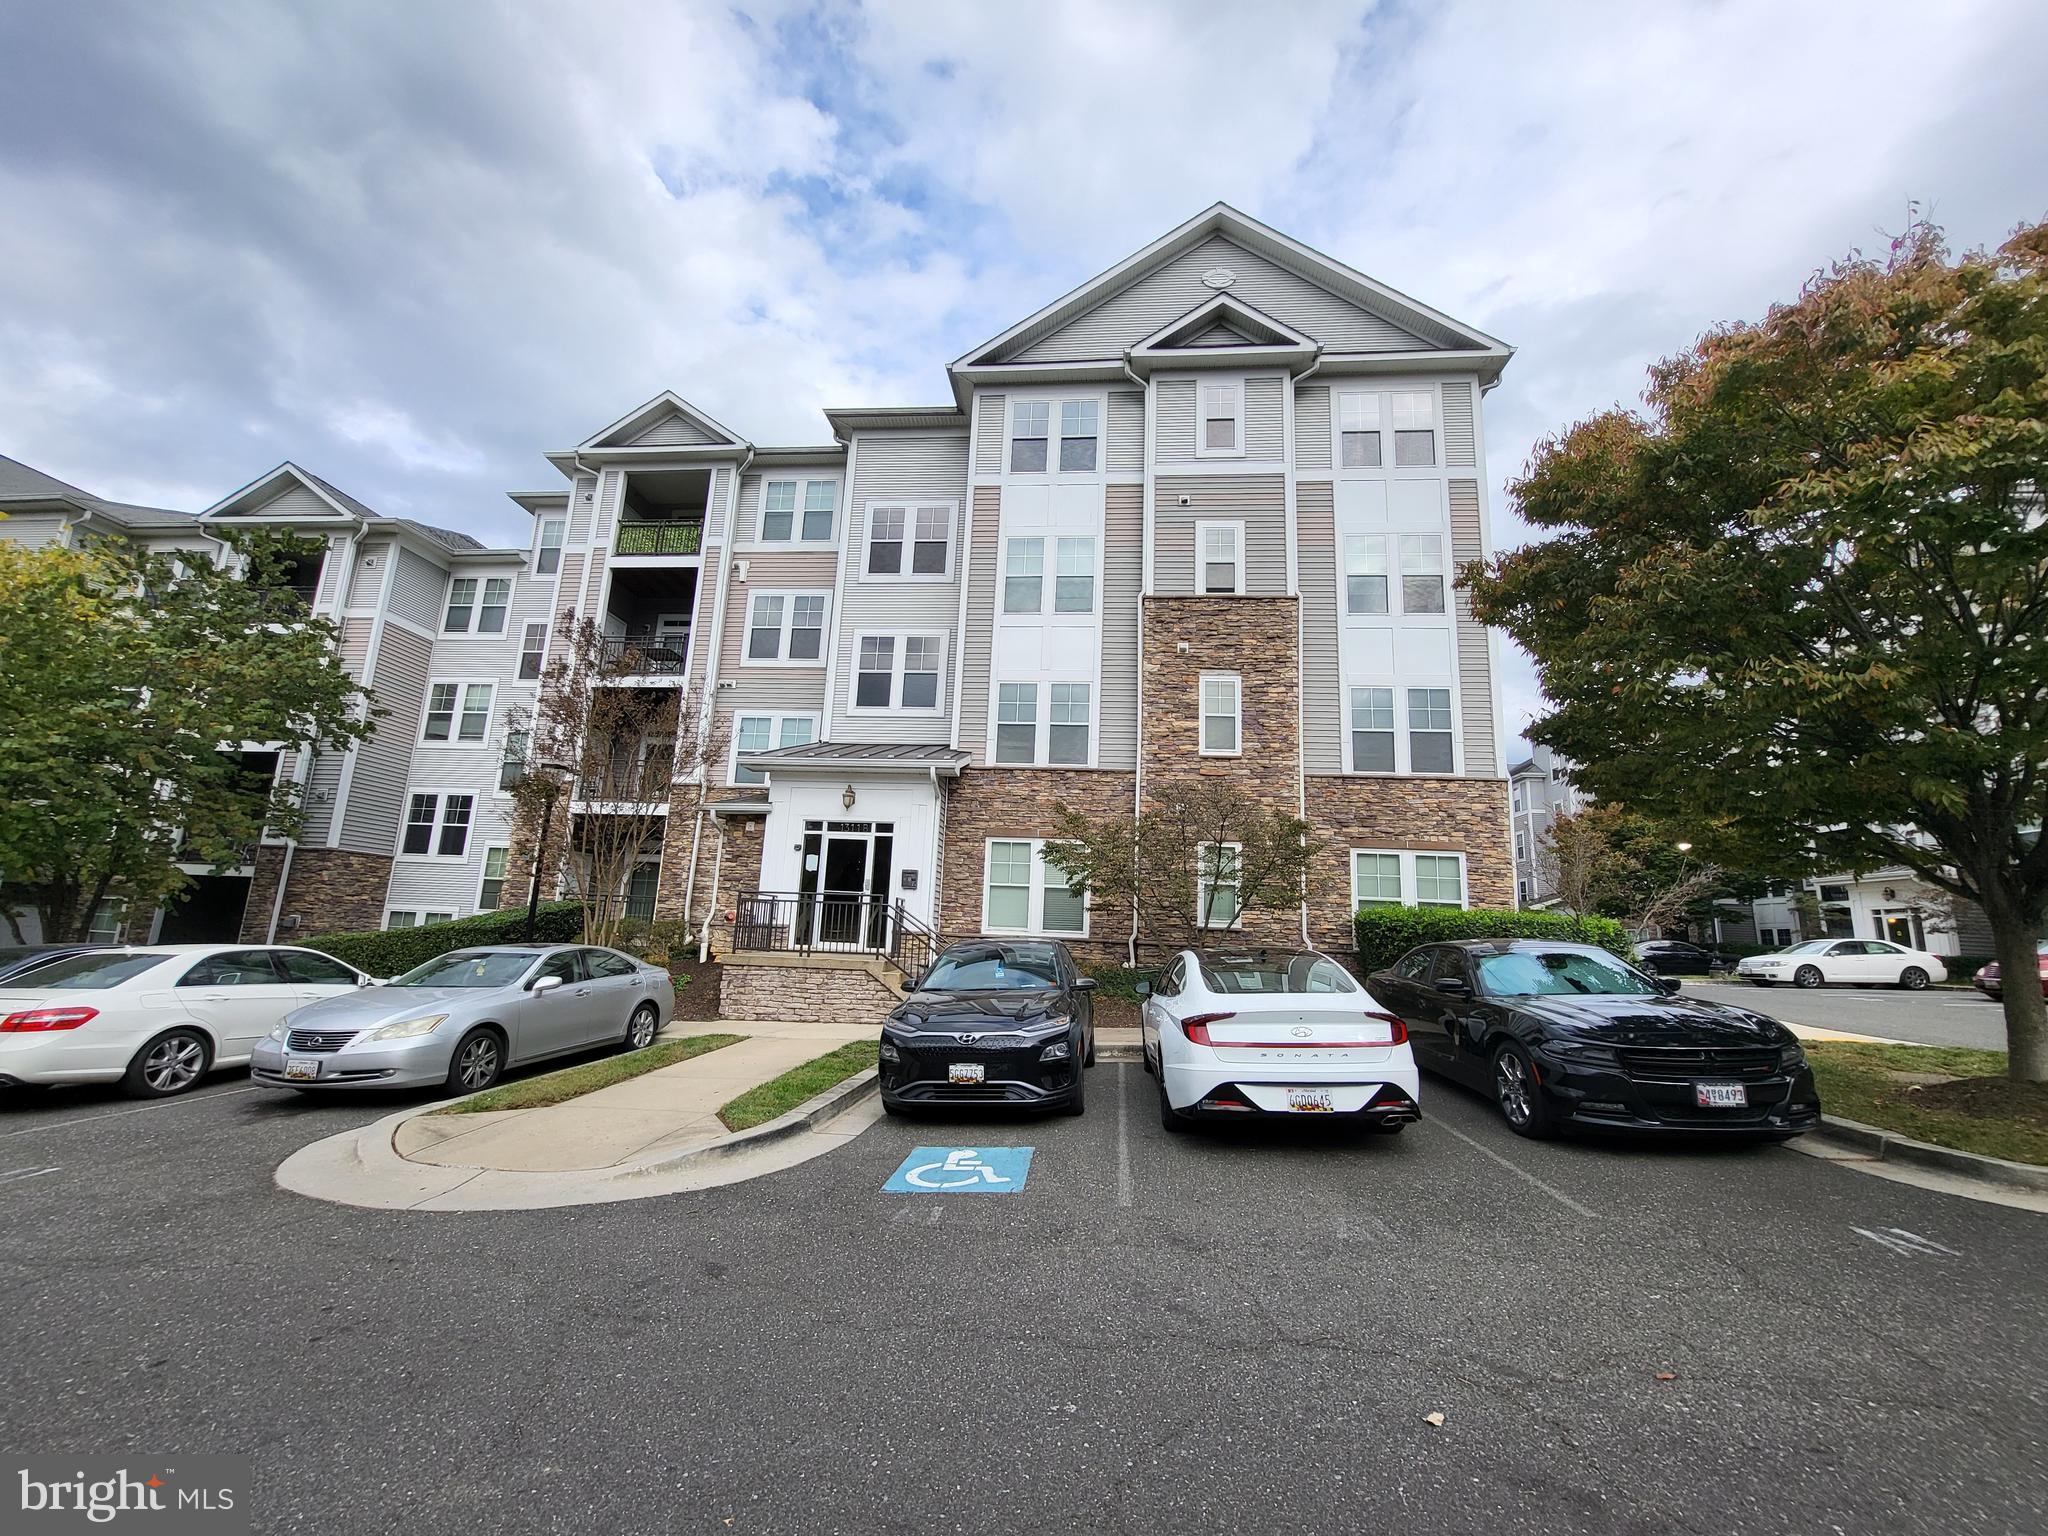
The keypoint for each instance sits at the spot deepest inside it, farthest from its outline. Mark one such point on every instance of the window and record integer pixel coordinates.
(401, 919)
(1372, 730)
(640, 889)
(491, 893)
(437, 825)
(898, 671)
(1414, 427)
(921, 672)
(1220, 698)
(490, 619)
(1422, 573)
(787, 627)
(872, 683)
(780, 500)
(1390, 878)
(1219, 433)
(461, 606)
(1024, 576)
(1375, 879)
(1358, 431)
(1216, 904)
(512, 767)
(929, 531)
(1067, 735)
(1074, 581)
(778, 510)
(1016, 722)
(547, 558)
(1078, 435)
(533, 651)
(1023, 894)
(1029, 424)
(1429, 730)
(765, 733)
(461, 711)
(928, 551)
(1365, 573)
(1439, 880)
(107, 919)
(821, 500)
(1220, 548)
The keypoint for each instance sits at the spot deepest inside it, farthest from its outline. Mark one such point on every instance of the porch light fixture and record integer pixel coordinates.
(846, 797)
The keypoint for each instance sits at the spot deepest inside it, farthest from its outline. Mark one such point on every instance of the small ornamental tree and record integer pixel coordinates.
(1802, 601)
(1610, 861)
(601, 757)
(129, 683)
(1198, 860)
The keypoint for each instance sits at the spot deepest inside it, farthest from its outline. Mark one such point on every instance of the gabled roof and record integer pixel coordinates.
(23, 488)
(698, 429)
(266, 488)
(1252, 327)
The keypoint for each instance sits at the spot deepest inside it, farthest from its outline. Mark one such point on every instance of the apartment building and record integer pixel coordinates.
(1202, 516)
(1540, 790)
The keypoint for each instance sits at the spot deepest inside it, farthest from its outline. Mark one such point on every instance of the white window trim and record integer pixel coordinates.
(911, 507)
(418, 915)
(476, 603)
(469, 841)
(1235, 384)
(899, 654)
(1052, 400)
(1384, 392)
(1203, 887)
(1041, 721)
(533, 555)
(547, 633)
(1403, 759)
(483, 873)
(455, 741)
(1237, 527)
(775, 717)
(1236, 680)
(1036, 911)
(1407, 856)
(781, 657)
(796, 541)
(1047, 611)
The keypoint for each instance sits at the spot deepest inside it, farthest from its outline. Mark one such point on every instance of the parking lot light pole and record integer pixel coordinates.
(555, 773)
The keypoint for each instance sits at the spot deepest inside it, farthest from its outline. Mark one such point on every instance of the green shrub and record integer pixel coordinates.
(394, 951)
(1964, 967)
(1385, 934)
(1117, 980)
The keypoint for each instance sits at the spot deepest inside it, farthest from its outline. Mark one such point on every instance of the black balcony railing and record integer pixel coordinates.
(649, 655)
(677, 538)
(833, 922)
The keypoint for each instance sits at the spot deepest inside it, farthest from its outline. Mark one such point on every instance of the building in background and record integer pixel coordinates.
(1540, 790)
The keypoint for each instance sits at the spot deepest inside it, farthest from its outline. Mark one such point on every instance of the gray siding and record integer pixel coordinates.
(333, 566)
(1125, 451)
(1322, 700)
(988, 440)
(1311, 428)
(377, 791)
(580, 510)
(33, 529)
(1265, 418)
(1173, 431)
(717, 504)
(672, 430)
(421, 591)
(1258, 501)
(1123, 574)
(1475, 671)
(758, 689)
(1176, 288)
(295, 500)
(366, 581)
(1458, 435)
(746, 520)
(976, 644)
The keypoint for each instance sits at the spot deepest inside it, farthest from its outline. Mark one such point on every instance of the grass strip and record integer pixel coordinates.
(573, 1082)
(1982, 1111)
(757, 1106)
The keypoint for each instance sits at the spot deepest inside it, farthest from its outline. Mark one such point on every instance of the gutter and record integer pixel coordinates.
(1144, 591)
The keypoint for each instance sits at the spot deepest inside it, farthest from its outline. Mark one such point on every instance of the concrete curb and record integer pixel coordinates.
(806, 1117)
(1891, 1147)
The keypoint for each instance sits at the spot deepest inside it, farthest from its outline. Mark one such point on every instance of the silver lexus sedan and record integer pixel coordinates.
(463, 1018)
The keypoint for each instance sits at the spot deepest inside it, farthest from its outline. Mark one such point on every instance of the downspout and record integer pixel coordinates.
(1144, 591)
(717, 862)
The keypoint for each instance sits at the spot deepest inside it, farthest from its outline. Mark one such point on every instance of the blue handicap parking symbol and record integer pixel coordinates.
(962, 1171)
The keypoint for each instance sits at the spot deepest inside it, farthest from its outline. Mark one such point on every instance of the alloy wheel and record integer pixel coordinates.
(1914, 980)
(640, 1032)
(477, 1063)
(1511, 1087)
(173, 1064)
(1808, 976)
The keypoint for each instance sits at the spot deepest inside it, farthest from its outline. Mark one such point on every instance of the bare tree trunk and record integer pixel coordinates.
(2013, 937)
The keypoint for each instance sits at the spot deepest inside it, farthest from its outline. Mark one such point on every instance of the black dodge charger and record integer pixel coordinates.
(992, 1022)
(1566, 1034)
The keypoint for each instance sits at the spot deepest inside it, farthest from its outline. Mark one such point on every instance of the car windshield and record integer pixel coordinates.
(88, 973)
(1301, 973)
(469, 968)
(1560, 973)
(992, 968)
(1810, 947)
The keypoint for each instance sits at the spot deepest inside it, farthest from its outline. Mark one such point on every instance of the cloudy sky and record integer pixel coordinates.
(414, 245)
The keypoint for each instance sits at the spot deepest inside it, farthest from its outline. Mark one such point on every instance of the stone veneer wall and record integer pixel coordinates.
(826, 994)
(1468, 816)
(330, 889)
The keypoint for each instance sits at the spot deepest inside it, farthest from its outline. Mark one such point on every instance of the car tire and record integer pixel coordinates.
(1076, 1102)
(1808, 976)
(1913, 979)
(1169, 1117)
(478, 1061)
(1515, 1091)
(891, 1107)
(1089, 1059)
(642, 1027)
(1145, 1058)
(170, 1064)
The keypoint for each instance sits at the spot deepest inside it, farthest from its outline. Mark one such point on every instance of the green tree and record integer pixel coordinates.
(129, 683)
(1802, 601)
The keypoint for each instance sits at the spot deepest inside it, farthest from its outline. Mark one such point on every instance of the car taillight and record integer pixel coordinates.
(1398, 1031)
(32, 1019)
(1196, 1026)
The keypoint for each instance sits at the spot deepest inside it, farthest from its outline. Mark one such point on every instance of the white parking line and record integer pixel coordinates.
(14, 1174)
(116, 1114)
(1123, 1140)
(1556, 1194)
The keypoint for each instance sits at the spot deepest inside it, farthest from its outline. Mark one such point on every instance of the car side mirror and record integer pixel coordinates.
(1667, 983)
(1451, 986)
(1143, 989)
(543, 984)
(1086, 984)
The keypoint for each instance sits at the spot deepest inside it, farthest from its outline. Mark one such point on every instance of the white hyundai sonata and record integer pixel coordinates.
(157, 1018)
(1274, 1033)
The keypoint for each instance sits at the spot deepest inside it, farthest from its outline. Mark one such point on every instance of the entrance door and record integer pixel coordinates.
(1898, 927)
(843, 889)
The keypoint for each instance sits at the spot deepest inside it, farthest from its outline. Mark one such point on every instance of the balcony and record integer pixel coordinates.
(649, 655)
(661, 513)
(650, 612)
(668, 537)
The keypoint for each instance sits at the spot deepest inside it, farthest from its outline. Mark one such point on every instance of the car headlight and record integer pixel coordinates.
(889, 1051)
(277, 1031)
(1059, 1050)
(1791, 1058)
(403, 1029)
(1054, 1021)
(1581, 1051)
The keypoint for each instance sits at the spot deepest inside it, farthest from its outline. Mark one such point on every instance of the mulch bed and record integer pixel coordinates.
(697, 1001)
(1115, 1012)
(1989, 1098)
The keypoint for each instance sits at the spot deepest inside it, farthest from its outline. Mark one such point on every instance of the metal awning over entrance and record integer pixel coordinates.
(848, 756)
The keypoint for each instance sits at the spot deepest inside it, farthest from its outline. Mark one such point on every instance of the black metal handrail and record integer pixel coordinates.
(833, 923)
(649, 655)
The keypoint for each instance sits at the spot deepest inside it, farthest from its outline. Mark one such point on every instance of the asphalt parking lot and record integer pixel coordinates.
(1937, 1016)
(1229, 1331)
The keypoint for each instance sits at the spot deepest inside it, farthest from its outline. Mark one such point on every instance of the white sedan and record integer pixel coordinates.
(1274, 1033)
(156, 1018)
(1840, 962)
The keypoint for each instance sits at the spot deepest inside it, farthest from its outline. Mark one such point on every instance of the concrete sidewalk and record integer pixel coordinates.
(670, 1109)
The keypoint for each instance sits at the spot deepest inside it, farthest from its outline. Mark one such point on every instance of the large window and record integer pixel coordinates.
(786, 627)
(928, 530)
(1414, 413)
(1365, 573)
(1032, 428)
(798, 511)
(765, 733)
(1358, 431)
(1073, 584)
(1375, 879)
(458, 713)
(1372, 730)
(1220, 431)
(1074, 576)
(1216, 885)
(1399, 878)
(533, 651)
(1067, 730)
(1219, 551)
(1021, 893)
(1064, 740)
(1221, 693)
(1016, 722)
(437, 825)
(1078, 435)
(1429, 730)
(461, 606)
(1024, 576)
(897, 672)
(547, 555)
(490, 617)
(1422, 573)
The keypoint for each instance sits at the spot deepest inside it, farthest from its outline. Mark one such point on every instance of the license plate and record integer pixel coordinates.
(301, 1068)
(966, 1072)
(1722, 1095)
(1310, 1101)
